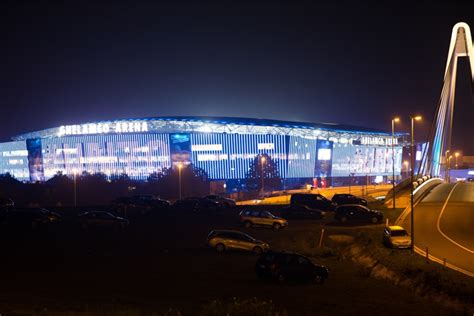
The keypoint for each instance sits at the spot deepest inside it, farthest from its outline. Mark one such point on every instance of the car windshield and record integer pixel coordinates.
(268, 214)
(399, 233)
(248, 237)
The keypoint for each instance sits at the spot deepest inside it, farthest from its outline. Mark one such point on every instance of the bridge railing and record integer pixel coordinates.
(404, 185)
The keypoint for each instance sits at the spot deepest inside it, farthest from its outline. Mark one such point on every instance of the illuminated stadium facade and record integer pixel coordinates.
(223, 147)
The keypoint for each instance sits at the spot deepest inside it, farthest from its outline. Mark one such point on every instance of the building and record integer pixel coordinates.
(223, 147)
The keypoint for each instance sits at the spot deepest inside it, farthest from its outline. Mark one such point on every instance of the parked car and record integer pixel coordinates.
(99, 219)
(289, 266)
(29, 217)
(6, 203)
(224, 202)
(196, 204)
(142, 201)
(341, 199)
(357, 213)
(223, 240)
(261, 218)
(396, 237)
(301, 212)
(314, 201)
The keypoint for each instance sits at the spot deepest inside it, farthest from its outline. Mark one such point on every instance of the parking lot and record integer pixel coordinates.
(161, 261)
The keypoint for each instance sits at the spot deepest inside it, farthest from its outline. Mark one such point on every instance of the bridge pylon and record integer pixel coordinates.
(436, 154)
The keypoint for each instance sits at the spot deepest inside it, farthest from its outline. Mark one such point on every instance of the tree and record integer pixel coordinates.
(194, 182)
(263, 165)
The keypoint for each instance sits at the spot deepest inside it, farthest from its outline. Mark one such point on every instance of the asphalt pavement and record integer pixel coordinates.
(444, 223)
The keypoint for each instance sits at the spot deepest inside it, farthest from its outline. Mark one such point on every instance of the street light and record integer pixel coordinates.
(456, 154)
(412, 176)
(74, 171)
(449, 164)
(394, 120)
(262, 160)
(446, 159)
(180, 166)
(406, 163)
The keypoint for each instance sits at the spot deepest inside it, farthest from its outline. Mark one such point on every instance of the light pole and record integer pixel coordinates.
(412, 176)
(406, 163)
(456, 155)
(74, 171)
(446, 159)
(180, 166)
(262, 160)
(394, 120)
(449, 165)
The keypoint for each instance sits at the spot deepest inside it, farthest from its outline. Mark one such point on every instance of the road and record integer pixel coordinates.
(359, 190)
(444, 222)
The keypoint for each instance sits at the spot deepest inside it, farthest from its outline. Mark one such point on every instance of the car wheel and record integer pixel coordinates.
(318, 279)
(374, 220)
(257, 250)
(281, 278)
(343, 219)
(276, 226)
(248, 224)
(220, 247)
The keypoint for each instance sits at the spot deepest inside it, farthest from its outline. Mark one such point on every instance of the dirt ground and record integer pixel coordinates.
(161, 261)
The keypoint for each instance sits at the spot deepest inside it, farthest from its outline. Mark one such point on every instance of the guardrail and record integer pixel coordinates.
(418, 194)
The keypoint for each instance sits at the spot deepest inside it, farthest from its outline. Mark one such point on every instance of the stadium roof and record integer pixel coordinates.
(176, 124)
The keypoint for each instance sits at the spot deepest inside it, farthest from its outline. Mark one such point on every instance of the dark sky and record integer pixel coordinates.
(340, 62)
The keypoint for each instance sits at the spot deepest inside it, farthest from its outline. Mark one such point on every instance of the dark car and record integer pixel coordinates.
(6, 203)
(224, 202)
(101, 220)
(357, 213)
(341, 199)
(145, 201)
(197, 204)
(289, 266)
(314, 201)
(29, 218)
(301, 212)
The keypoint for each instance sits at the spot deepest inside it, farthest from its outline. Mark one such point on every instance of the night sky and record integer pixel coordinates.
(343, 63)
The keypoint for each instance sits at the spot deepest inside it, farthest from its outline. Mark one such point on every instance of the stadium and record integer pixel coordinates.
(223, 147)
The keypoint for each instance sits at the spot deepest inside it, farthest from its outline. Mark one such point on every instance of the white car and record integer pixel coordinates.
(396, 237)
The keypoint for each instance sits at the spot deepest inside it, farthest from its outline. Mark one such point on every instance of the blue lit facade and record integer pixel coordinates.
(223, 147)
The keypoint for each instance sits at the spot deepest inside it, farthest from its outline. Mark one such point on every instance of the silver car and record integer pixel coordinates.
(262, 218)
(222, 240)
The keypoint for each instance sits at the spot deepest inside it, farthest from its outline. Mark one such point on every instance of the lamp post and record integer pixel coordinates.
(406, 163)
(74, 171)
(394, 120)
(456, 155)
(449, 165)
(446, 159)
(262, 160)
(180, 166)
(412, 176)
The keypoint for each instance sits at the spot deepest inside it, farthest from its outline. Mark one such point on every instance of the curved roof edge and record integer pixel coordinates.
(334, 127)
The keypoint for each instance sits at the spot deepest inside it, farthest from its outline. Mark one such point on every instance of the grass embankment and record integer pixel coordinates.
(233, 307)
(400, 267)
